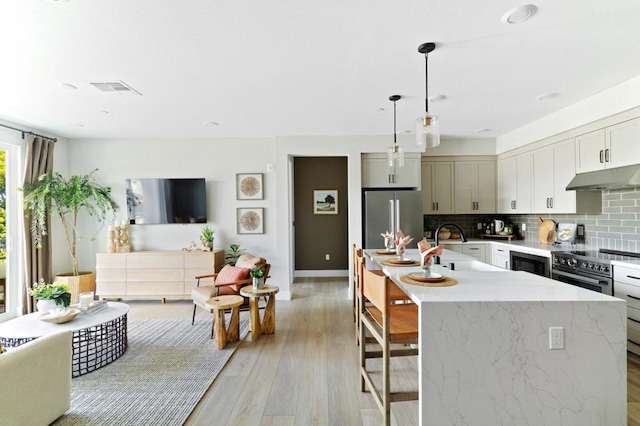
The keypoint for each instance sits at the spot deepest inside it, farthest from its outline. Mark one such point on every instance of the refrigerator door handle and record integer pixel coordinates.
(391, 216)
(397, 216)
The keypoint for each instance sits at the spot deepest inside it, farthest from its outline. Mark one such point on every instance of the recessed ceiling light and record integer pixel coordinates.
(483, 130)
(211, 124)
(547, 96)
(519, 14)
(67, 86)
(76, 125)
(380, 110)
(437, 98)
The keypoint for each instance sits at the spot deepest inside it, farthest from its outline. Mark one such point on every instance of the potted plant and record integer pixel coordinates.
(233, 254)
(50, 296)
(207, 236)
(258, 277)
(53, 194)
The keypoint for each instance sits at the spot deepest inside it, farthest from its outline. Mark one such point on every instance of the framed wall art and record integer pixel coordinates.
(249, 186)
(325, 201)
(250, 220)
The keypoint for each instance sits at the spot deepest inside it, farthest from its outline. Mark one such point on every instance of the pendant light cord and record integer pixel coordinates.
(394, 122)
(426, 80)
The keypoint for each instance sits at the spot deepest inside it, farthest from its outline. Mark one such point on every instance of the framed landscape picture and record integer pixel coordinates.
(249, 186)
(250, 220)
(325, 201)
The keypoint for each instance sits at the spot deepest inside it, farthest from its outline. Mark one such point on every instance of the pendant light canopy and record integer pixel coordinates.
(395, 153)
(427, 126)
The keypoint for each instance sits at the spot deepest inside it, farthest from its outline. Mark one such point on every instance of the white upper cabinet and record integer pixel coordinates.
(375, 173)
(437, 187)
(514, 183)
(613, 146)
(475, 187)
(553, 169)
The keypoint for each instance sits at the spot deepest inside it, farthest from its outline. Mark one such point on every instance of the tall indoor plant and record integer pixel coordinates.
(66, 198)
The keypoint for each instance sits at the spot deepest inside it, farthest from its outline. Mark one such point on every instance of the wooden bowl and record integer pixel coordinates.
(59, 316)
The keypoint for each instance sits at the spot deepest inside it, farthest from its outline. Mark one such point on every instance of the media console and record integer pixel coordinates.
(153, 274)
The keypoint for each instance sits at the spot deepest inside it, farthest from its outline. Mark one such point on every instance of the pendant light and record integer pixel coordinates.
(395, 153)
(427, 126)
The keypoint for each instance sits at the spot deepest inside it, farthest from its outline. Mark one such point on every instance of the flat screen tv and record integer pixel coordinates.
(158, 201)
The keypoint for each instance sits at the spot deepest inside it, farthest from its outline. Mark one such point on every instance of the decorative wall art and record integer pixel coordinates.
(250, 220)
(249, 186)
(325, 201)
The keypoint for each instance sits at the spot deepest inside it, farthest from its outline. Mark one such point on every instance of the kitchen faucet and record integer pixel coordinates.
(442, 225)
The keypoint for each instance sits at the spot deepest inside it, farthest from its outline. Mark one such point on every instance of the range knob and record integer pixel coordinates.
(572, 262)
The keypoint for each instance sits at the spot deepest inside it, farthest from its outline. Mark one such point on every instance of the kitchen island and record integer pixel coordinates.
(485, 356)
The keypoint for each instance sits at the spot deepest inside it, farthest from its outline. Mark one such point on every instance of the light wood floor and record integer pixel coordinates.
(307, 373)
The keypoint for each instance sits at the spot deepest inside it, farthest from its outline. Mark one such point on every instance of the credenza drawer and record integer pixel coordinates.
(626, 275)
(628, 292)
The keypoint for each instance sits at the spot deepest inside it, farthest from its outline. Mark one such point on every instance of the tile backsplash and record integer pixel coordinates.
(617, 227)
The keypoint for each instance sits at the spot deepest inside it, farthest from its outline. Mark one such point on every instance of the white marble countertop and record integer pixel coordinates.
(485, 286)
(531, 247)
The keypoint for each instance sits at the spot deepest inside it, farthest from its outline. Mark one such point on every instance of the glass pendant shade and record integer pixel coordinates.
(395, 156)
(427, 131)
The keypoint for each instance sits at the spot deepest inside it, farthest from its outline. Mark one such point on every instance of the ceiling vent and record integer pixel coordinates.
(116, 87)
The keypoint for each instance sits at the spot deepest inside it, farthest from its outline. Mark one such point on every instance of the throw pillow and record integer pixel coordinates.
(230, 274)
(248, 261)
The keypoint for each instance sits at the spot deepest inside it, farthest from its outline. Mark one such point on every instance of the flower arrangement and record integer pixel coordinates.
(58, 292)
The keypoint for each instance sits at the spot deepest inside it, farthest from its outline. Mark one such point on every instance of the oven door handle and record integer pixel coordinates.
(580, 278)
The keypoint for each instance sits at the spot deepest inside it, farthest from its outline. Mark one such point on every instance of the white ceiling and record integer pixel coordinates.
(301, 67)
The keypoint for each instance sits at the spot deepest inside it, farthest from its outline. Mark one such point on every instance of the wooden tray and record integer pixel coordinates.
(434, 278)
(385, 252)
(447, 282)
(498, 237)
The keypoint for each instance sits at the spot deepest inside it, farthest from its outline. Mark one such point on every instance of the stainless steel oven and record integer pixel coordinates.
(532, 263)
(590, 270)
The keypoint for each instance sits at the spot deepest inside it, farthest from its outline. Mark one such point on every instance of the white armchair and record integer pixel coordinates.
(36, 381)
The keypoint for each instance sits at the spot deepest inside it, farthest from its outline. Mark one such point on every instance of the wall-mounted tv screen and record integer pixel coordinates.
(158, 201)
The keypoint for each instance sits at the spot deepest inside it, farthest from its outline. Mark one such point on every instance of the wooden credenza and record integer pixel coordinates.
(153, 274)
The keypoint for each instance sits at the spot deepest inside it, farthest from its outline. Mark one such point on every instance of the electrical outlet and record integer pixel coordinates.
(479, 226)
(327, 257)
(524, 226)
(556, 338)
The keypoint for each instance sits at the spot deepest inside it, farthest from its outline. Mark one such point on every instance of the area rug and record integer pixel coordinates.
(159, 380)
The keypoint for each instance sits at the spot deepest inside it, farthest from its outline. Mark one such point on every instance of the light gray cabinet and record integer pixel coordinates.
(514, 182)
(626, 286)
(475, 187)
(500, 256)
(375, 173)
(438, 187)
(613, 146)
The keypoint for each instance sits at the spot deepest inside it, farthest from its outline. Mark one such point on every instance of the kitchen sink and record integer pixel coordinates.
(469, 265)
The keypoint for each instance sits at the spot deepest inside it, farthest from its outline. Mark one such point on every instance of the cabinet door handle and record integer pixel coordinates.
(515, 204)
(500, 250)
(632, 277)
(474, 248)
(437, 206)
(606, 155)
(601, 156)
(551, 202)
(547, 203)
(433, 205)
(633, 297)
(629, 340)
(634, 320)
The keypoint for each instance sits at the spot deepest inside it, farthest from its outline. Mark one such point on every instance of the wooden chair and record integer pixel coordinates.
(389, 323)
(396, 293)
(228, 281)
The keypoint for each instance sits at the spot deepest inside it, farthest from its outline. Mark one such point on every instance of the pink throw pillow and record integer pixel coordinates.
(229, 274)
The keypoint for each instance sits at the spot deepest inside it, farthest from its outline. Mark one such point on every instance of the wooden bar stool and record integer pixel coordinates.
(223, 334)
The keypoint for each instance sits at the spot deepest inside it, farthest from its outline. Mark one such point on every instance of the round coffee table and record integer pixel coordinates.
(98, 339)
(268, 323)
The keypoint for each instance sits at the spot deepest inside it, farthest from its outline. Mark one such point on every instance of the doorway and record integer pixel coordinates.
(321, 216)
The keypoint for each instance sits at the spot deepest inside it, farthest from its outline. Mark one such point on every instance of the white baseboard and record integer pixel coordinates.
(322, 273)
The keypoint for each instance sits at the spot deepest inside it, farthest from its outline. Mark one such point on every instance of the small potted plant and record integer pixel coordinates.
(233, 254)
(50, 296)
(207, 236)
(258, 277)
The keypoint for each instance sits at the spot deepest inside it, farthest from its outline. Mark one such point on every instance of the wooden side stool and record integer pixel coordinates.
(268, 323)
(223, 334)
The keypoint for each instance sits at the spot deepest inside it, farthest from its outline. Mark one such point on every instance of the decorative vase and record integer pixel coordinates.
(258, 282)
(45, 305)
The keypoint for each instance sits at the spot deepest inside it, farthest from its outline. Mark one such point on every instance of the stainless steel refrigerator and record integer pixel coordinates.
(391, 210)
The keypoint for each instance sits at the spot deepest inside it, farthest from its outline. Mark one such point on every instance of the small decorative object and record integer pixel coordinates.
(196, 247)
(250, 220)
(388, 240)
(566, 233)
(325, 201)
(426, 256)
(249, 186)
(207, 236)
(258, 277)
(59, 315)
(118, 238)
(401, 243)
(86, 298)
(57, 294)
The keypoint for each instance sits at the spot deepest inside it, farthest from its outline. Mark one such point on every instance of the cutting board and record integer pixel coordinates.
(546, 231)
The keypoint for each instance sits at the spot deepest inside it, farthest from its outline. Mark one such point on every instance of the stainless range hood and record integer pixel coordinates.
(619, 177)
